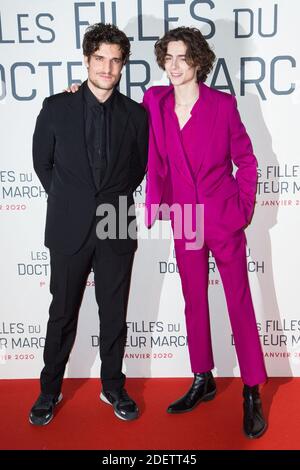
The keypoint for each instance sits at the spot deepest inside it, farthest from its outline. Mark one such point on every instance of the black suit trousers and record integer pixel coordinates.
(112, 273)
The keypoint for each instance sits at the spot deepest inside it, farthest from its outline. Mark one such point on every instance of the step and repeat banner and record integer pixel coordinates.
(258, 53)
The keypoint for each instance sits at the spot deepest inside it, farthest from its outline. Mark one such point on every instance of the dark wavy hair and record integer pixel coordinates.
(198, 50)
(100, 33)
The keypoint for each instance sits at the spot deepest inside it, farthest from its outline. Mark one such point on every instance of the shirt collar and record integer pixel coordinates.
(91, 99)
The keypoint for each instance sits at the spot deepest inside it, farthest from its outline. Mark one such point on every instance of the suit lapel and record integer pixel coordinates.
(154, 105)
(119, 120)
(174, 140)
(76, 131)
(206, 118)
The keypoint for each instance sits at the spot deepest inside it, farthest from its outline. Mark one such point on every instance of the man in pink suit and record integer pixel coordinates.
(195, 135)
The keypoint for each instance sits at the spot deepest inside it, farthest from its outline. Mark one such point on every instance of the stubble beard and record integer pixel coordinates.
(103, 86)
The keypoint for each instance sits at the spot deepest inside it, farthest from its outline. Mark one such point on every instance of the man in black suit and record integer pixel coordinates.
(90, 153)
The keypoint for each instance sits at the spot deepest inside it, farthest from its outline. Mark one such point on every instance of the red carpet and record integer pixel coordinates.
(83, 422)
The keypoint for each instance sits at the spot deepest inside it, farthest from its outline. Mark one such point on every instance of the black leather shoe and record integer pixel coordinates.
(42, 411)
(202, 389)
(254, 422)
(124, 407)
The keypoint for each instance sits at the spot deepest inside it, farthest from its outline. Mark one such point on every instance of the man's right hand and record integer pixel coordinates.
(73, 88)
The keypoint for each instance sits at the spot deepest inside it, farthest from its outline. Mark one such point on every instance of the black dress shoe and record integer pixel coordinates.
(124, 407)
(202, 389)
(42, 411)
(254, 422)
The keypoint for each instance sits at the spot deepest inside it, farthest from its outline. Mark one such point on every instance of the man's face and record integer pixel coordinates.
(104, 66)
(176, 66)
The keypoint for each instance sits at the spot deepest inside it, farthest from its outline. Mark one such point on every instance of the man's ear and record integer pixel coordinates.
(86, 60)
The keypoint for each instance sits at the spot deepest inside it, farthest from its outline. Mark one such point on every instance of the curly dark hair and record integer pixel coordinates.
(99, 33)
(198, 50)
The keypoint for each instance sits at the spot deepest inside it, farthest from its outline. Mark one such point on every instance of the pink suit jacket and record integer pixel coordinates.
(222, 139)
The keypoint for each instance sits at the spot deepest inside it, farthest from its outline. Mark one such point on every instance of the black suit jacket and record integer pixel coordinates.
(61, 162)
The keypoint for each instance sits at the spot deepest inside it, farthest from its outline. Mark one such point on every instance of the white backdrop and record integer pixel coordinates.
(255, 41)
